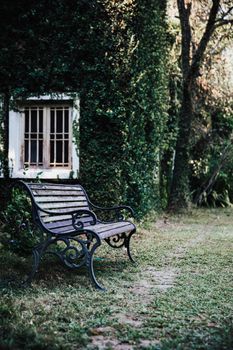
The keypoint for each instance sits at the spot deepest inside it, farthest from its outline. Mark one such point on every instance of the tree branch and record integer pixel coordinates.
(225, 14)
(197, 58)
(207, 187)
(184, 15)
(223, 22)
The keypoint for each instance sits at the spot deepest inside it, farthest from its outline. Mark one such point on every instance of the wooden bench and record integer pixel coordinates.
(70, 224)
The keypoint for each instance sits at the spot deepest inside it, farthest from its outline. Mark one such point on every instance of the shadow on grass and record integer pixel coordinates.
(15, 269)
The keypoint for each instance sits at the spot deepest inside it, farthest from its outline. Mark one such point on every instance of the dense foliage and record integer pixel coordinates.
(194, 49)
(114, 54)
(123, 118)
(209, 162)
(18, 232)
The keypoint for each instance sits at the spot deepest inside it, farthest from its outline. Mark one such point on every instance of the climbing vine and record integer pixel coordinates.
(114, 55)
(123, 117)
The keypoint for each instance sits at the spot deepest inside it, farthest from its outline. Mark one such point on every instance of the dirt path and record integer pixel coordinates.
(147, 282)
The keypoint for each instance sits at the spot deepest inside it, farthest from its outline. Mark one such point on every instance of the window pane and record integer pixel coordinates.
(59, 120)
(33, 151)
(26, 120)
(59, 136)
(52, 120)
(26, 151)
(41, 121)
(51, 151)
(59, 152)
(66, 158)
(66, 120)
(34, 121)
(41, 152)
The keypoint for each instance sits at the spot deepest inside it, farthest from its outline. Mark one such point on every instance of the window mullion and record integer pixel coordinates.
(69, 137)
(63, 141)
(29, 136)
(23, 136)
(46, 136)
(55, 136)
(37, 136)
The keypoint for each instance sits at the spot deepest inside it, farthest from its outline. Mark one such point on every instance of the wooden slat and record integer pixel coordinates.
(63, 230)
(54, 187)
(114, 230)
(62, 210)
(99, 228)
(57, 224)
(69, 205)
(60, 226)
(40, 192)
(48, 218)
(59, 199)
(60, 218)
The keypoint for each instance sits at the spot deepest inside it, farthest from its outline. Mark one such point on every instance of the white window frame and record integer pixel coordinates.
(16, 141)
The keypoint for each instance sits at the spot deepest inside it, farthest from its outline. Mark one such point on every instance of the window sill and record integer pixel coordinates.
(45, 174)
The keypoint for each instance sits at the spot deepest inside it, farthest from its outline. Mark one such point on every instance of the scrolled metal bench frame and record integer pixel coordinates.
(85, 235)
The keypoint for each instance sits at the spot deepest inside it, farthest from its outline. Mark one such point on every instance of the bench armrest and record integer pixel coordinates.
(117, 209)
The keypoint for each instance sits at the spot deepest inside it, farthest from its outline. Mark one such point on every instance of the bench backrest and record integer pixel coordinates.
(59, 198)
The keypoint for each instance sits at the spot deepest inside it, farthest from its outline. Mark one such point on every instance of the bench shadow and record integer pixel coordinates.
(52, 273)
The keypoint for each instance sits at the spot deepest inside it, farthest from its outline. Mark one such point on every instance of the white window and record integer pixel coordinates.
(41, 138)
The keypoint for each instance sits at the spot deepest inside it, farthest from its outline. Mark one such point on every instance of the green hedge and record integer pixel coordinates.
(123, 109)
(114, 54)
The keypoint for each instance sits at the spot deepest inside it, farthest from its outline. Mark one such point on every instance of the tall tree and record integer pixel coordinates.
(191, 60)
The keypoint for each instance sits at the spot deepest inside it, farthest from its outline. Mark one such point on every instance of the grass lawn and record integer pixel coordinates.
(178, 296)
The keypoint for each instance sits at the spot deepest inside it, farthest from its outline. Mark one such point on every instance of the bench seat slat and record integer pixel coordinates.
(113, 229)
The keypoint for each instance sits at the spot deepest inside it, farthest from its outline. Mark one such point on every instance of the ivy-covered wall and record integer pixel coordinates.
(114, 54)
(123, 110)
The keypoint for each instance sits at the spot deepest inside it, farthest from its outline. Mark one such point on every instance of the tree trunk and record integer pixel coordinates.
(5, 136)
(167, 156)
(180, 194)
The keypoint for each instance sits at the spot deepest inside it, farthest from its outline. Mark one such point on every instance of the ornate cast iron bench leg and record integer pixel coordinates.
(72, 256)
(127, 244)
(37, 253)
(121, 240)
(89, 258)
(90, 267)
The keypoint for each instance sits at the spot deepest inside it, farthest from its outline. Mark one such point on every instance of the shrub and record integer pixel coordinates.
(18, 232)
